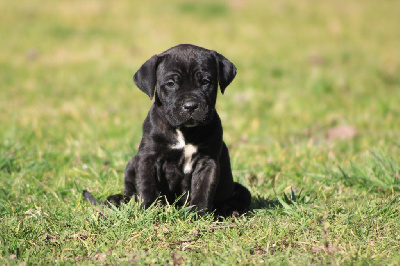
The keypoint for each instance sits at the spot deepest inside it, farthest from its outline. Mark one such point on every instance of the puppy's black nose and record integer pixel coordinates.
(190, 106)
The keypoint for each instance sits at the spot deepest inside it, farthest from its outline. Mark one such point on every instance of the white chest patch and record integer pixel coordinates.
(188, 150)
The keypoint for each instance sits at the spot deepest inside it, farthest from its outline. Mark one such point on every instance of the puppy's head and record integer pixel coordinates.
(184, 80)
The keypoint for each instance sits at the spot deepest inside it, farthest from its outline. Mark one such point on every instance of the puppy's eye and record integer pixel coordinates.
(170, 83)
(205, 81)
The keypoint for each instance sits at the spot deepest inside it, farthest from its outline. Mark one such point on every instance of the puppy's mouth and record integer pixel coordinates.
(190, 123)
(195, 120)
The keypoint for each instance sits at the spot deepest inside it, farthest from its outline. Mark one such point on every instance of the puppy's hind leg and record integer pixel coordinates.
(241, 198)
(239, 202)
(130, 179)
(129, 186)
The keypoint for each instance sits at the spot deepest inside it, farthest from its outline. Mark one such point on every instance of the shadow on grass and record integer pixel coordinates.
(285, 201)
(261, 202)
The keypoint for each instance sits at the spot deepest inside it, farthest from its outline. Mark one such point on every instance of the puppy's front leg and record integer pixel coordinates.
(204, 184)
(146, 183)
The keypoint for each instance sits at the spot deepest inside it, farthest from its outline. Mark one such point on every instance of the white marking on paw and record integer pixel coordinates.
(188, 150)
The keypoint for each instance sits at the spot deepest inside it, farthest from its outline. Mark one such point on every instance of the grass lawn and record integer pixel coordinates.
(312, 122)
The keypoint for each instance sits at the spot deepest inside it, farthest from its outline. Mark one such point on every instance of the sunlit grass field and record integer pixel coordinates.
(312, 122)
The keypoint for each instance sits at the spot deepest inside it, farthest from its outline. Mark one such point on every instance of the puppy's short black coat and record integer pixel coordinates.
(182, 151)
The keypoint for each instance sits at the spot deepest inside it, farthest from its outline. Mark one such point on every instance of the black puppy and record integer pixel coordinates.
(182, 151)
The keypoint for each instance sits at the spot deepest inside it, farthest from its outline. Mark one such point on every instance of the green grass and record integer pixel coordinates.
(70, 119)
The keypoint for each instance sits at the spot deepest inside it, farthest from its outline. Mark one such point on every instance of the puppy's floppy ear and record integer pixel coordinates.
(145, 77)
(226, 71)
